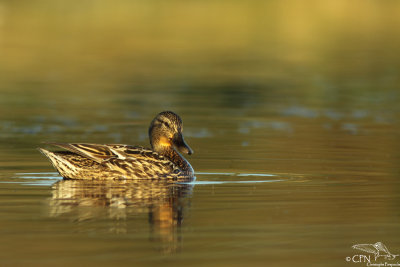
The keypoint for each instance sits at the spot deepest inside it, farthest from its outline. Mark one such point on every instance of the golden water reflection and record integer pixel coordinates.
(119, 202)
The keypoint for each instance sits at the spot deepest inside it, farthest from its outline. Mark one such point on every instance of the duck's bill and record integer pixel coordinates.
(182, 146)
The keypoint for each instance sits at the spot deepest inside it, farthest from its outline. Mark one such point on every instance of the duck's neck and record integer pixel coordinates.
(177, 159)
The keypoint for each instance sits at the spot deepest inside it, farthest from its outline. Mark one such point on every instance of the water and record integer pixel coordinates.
(294, 126)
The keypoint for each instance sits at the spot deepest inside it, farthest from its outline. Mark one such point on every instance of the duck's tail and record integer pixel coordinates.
(59, 162)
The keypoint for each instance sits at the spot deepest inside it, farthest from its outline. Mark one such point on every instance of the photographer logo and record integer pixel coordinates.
(372, 253)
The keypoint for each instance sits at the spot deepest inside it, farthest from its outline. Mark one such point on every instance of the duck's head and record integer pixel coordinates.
(165, 133)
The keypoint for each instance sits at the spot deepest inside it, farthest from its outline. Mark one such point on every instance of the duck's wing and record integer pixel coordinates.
(95, 152)
(113, 153)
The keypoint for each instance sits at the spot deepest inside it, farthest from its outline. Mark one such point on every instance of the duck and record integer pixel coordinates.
(123, 162)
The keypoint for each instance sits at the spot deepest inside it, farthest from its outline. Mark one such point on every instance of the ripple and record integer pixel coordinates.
(39, 175)
(232, 182)
(255, 174)
(235, 174)
(232, 174)
(35, 178)
(49, 178)
(216, 173)
(36, 183)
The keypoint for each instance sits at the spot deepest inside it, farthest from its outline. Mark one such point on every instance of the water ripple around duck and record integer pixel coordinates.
(49, 178)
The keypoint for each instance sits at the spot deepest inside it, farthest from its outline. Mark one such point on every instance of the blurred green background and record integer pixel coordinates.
(103, 45)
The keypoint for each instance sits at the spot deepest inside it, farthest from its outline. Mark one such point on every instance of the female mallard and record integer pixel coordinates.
(96, 161)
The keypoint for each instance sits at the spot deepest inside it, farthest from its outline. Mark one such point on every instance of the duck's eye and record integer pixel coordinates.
(166, 124)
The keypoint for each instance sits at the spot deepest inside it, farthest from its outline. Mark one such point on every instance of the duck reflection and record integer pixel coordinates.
(118, 203)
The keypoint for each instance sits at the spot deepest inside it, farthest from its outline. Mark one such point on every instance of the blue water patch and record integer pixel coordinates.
(35, 178)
